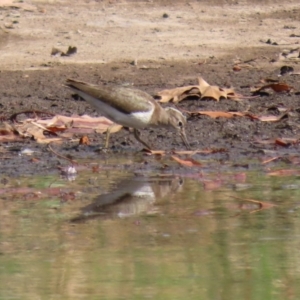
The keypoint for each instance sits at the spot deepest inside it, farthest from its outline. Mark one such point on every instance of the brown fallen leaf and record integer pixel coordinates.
(278, 87)
(59, 126)
(236, 68)
(84, 140)
(219, 114)
(10, 138)
(59, 122)
(202, 90)
(215, 92)
(185, 152)
(205, 151)
(154, 152)
(34, 160)
(270, 118)
(279, 141)
(187, 162)
(270, 160)
(178, 94)
(8, 133)
(100, 124)
(30, 129)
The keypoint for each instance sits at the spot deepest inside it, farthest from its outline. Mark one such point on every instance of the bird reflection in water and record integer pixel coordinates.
(132, 196)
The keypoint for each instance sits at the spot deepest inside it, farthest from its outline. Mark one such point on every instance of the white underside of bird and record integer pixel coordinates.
(137, 120)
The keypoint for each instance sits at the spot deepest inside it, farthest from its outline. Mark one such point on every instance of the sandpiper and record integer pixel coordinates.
(130, 108)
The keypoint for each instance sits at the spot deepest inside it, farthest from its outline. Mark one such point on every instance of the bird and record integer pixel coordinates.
(130, 107)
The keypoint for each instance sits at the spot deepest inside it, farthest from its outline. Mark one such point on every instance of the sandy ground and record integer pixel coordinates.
(106, 31)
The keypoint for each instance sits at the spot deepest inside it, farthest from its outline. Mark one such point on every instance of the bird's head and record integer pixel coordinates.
(178, 121)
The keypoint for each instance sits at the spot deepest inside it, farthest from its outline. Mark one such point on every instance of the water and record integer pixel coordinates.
(113, 235)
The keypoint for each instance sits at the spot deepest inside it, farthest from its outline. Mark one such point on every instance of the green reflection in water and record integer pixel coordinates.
(193, 242)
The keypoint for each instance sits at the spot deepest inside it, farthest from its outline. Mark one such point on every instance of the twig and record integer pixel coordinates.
(74, 162)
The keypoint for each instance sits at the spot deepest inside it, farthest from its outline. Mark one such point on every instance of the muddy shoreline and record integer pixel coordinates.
(239, 138)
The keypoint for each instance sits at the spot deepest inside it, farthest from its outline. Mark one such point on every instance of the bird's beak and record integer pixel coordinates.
(184, 138)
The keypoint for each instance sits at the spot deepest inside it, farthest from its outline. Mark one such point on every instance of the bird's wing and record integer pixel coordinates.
(126, 100)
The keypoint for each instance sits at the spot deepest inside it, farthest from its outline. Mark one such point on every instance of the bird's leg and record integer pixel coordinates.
(137, 136)
(108, 132)
(114, 127)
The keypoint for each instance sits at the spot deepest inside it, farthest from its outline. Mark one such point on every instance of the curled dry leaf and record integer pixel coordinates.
(178, 94)
(202, 90)
(276, 87)
(185, 152)
(270, 118)
(219, 114)
(266, 161)
(8, 133)
(281, 142)
(84, 140)
(236, 68)
(285, 142)
(154, 152)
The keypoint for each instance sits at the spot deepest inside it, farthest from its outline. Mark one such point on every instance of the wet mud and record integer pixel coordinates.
(244, 141)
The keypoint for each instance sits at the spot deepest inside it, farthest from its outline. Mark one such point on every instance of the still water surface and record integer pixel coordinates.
(120, 236)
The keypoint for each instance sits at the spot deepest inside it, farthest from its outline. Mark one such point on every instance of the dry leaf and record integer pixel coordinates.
(202, 90)
(187, 162)
(154, 152)
(277, 87)
(84, 140)
(270, 118)
(185, 152)
(236, 68)
(270, 160)
(219, 114)
(281, 142)
(215, 92)
(66, 126)
(178, 94)
(29, 129)
(100, 124)
(8, 133)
